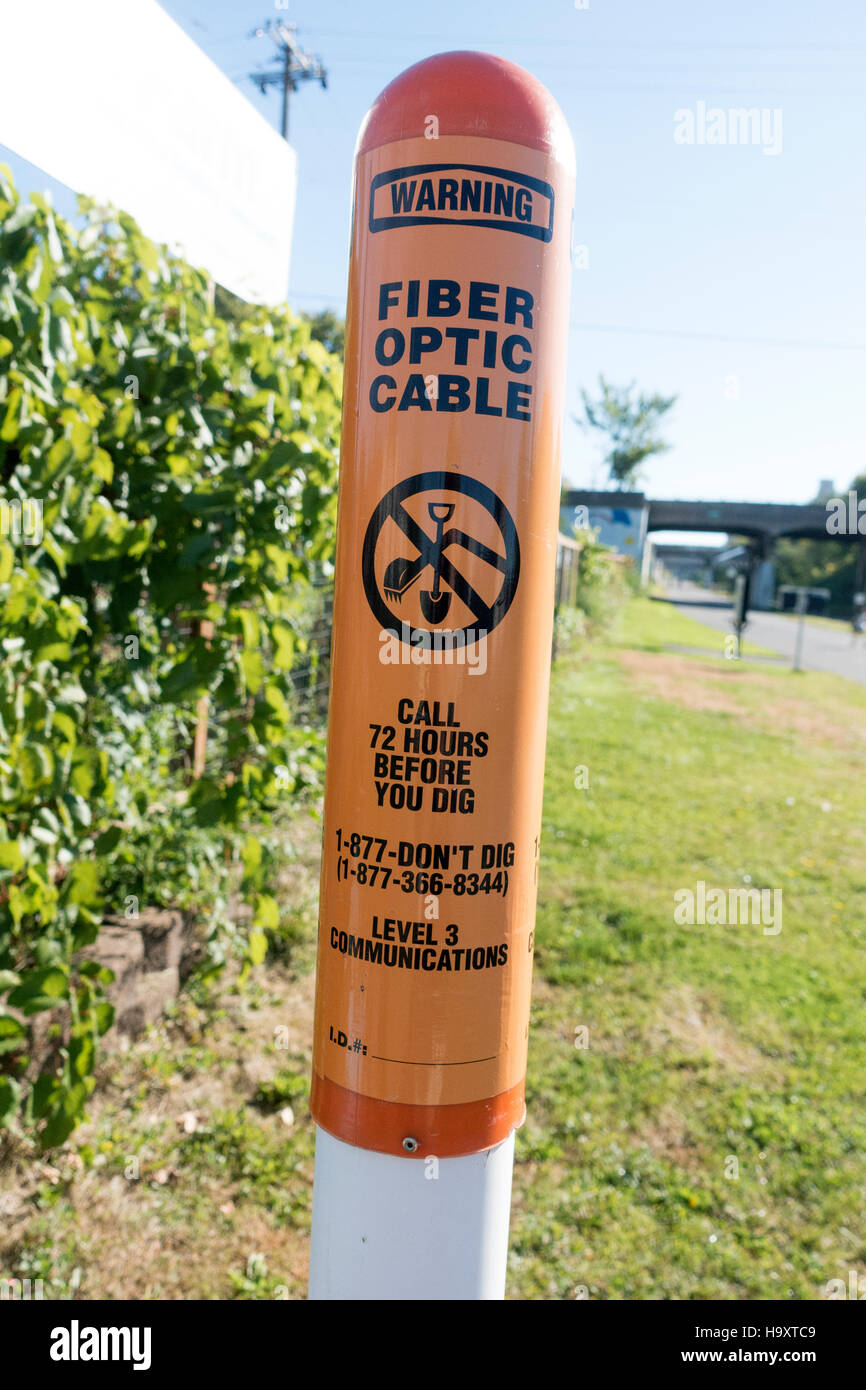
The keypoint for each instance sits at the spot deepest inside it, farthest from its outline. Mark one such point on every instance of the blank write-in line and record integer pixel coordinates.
(401, 1063)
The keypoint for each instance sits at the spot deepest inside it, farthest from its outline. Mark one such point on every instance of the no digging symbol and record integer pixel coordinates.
(440, 555)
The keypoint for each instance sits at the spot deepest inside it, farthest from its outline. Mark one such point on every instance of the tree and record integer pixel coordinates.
(629, 424)
(327, 328)
(826, 564)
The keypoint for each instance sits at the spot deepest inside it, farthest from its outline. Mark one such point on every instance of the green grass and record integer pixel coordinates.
(651, 625)
(711, 1050)
(708, 1141)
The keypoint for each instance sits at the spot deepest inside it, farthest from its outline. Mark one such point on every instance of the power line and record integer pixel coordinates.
(810, 343)
(297, 66)
(559, 40)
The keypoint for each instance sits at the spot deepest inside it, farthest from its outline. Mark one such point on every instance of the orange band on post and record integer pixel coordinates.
(445, 1131)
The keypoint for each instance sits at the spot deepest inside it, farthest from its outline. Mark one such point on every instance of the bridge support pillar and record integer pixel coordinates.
(647, 561)
(764, 579)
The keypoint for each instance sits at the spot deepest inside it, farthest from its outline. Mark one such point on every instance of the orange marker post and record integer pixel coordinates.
(449, 498)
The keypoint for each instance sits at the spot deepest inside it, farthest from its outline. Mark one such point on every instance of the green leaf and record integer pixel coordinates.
(257, 946)
(200, 543)
(60, 461)
(182, 679)
(284, 646)
(251, 664)
(82, 1054)
(39, 989)
(10, 1092)
(103, 1016)
(252, 854)
(81, 884)
(35, 765)
(42, 1095)
(267, 912)
(250, 627)
(11, 857)
(13, 1034)
(108, 840)
(65, 1116)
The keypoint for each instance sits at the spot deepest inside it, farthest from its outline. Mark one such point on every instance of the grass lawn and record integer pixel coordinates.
(707, 1141)
(655, 627)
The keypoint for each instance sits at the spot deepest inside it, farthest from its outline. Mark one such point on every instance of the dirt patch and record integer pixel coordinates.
(133, 1237)
(220, 1171)
(727, 690)
(137, 1248)
(688, 1022)
(666, 1134)
(680, 680)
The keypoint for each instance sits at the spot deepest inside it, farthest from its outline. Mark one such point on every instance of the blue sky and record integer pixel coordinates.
(729, 276)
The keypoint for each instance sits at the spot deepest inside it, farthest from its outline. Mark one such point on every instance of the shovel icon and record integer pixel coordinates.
(435, 605)
(401, 574)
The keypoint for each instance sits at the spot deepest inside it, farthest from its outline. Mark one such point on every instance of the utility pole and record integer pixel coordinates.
(296, 66)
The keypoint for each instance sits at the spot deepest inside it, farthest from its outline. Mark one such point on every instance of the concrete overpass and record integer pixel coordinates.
(761, 520)
(631, 517)
(686, 561)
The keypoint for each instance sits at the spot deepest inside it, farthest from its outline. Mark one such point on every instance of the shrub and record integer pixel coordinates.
(167, 494)
(604, 581)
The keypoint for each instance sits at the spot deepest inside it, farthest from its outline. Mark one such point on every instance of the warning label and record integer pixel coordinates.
(472, 195)
(416, 767)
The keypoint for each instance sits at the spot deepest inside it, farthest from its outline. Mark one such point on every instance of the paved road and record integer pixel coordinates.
(824, 648)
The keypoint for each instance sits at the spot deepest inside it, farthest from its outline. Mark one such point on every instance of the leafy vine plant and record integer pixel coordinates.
(167, 499)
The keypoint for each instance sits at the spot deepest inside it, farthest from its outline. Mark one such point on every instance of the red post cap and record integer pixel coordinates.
(469, 93)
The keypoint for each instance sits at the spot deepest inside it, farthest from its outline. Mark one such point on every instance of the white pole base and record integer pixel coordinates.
(409, 1228)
